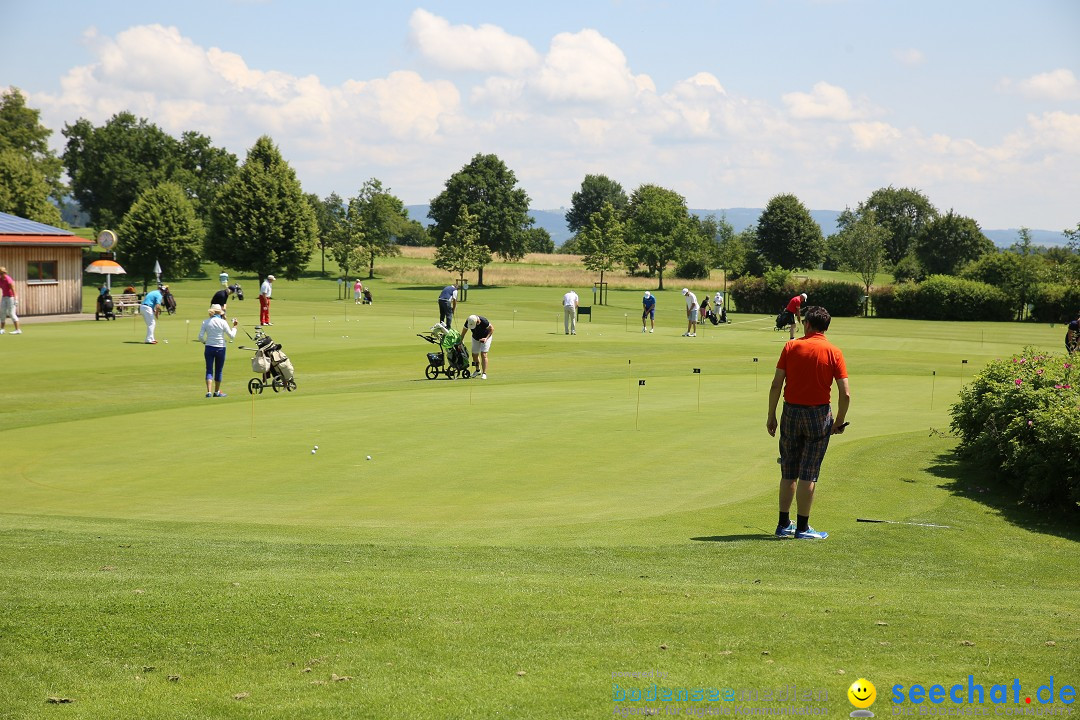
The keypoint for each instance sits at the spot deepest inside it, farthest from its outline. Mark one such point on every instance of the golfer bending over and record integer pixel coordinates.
(805, 372)
(482, 330)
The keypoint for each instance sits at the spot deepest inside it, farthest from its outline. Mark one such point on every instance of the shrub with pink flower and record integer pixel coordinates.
(1018, 418)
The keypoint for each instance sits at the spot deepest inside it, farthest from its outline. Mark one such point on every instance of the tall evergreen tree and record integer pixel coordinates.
(261, 221)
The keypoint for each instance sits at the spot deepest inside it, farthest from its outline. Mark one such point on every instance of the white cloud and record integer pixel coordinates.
(462, 47)
(826, 102)
(1056, 85)
(587, 67)
(909, 56)
(578, 109)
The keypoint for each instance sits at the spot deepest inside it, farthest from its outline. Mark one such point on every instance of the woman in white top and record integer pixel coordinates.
(212, 333)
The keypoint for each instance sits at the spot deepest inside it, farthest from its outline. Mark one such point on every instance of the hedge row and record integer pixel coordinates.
(942, 297)
(1055, 303)
(1019, 419)
(753, 295)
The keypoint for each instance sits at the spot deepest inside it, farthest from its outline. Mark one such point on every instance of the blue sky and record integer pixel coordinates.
(975, 103)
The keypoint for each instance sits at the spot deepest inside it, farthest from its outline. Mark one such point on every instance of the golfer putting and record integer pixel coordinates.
(805, 373)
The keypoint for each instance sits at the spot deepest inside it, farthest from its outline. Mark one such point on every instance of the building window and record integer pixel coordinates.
(41, 272)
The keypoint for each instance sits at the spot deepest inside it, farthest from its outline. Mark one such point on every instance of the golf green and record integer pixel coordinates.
(594, 507)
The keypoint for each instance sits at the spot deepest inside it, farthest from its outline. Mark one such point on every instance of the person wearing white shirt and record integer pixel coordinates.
(570, 304)
(691, 313)
(264, 300)
(212, 333)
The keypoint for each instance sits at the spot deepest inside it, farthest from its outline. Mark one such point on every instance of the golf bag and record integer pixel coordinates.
(784, 319)
(270, 361)
(168, 300)
(716, 318)
(238, 291)
(105, 307)
(367, 297)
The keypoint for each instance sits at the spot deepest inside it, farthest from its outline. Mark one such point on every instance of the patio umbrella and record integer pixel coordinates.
(108, 268)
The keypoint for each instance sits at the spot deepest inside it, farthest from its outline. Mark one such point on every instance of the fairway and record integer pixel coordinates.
(515, 545)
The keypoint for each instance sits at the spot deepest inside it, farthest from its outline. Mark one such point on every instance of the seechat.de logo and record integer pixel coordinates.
(862, 695)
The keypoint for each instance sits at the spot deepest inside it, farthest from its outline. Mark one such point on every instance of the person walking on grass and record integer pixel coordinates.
(150, 307)
(648, 311)
(265, 291)
(570, 304)
(212, 333)
(447, 305)
(691, 313)
(8, 302)
(805, 373)
(482, 330)
(358, 292)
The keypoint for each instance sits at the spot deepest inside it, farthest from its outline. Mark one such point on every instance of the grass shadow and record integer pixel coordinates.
(966, 480)
(733, 538)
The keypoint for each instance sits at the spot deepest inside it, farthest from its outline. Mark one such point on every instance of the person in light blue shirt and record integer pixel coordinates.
(150, 309)
(648, 311)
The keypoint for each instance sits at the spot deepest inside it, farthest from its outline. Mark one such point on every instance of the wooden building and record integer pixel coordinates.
(46, 264)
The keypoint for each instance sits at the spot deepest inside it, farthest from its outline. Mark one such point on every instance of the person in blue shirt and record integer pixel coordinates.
(648, 311)
(448, 304)
(150, 309)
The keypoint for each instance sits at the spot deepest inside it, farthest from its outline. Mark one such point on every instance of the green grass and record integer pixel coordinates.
(557, 520)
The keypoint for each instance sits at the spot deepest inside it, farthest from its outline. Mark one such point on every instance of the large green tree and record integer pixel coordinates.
(950, 241)
(657, 225)
(261, 221)
(903, 212)
(382, 216)
(787, 235)
(24, 191)
(596, 190)
(602, 242)
(489, 188)
(111, 165)
(346, 239)
(30, 184)
(460, 250)
(161, 227)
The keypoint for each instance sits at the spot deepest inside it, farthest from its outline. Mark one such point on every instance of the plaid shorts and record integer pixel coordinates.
(804, 437)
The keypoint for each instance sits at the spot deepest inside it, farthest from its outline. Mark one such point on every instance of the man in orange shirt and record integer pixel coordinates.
(805, 373)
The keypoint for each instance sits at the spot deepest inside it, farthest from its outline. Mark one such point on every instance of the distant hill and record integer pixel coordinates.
(554, 221)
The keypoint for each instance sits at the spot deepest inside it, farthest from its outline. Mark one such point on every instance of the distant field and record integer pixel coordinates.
(515, 546)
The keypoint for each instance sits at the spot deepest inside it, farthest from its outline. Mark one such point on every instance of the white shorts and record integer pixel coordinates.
(481, 346)
(692, 315)
(7, 309)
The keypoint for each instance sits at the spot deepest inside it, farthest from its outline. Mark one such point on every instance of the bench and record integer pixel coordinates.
(126, 301)
(582, 310)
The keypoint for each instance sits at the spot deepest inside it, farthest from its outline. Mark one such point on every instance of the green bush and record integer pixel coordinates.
(765, 295)
(942, 297)
(1055, 303)
(1019, 419)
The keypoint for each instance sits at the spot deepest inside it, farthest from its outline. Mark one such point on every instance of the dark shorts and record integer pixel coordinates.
(650, 313)
(804, 438)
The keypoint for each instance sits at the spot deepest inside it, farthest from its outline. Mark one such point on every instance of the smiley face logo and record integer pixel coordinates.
(862, 693)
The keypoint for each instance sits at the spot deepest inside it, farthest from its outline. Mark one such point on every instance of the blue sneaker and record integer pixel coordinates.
(811, 534)
(785, 532)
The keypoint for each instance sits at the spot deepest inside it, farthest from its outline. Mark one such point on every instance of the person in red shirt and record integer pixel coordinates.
(8, 302)
(793, 309)
(805, 373)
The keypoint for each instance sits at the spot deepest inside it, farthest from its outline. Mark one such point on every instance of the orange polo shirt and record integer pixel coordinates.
(811, 364)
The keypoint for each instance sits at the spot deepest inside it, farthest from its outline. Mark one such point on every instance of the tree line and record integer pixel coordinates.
(182, 201)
